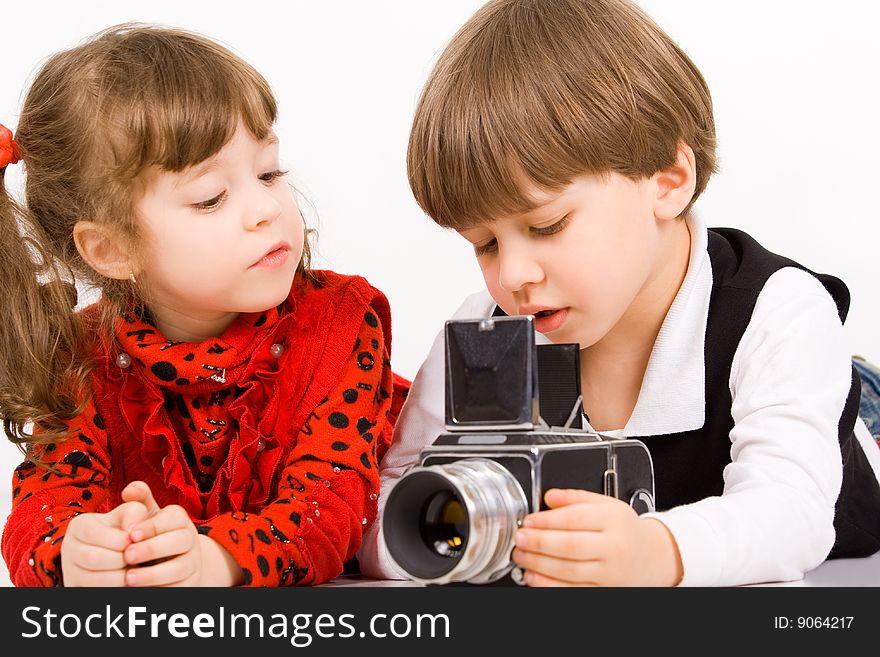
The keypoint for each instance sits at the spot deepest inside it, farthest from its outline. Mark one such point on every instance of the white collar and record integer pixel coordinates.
(672, 398)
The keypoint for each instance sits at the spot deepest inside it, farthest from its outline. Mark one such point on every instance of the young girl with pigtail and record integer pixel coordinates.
(217, 417)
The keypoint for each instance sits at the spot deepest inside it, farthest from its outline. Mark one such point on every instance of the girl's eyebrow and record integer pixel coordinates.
(198, 171)
(202, 168)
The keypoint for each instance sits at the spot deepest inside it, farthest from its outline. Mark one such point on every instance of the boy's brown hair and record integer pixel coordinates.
(543, 91)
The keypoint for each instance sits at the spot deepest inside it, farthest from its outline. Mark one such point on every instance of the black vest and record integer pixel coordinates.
(688, 466)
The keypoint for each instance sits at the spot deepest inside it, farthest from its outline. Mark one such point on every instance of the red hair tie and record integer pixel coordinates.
(10, 153)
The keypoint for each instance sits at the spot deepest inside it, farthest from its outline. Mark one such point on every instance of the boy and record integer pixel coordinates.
(567, 140)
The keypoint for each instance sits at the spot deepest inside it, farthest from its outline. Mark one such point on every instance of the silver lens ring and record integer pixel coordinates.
(495, 505)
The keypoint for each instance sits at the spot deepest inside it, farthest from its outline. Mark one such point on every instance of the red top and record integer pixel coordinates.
(269, 436)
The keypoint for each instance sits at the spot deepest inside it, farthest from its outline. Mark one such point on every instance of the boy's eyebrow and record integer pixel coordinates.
(539, 204)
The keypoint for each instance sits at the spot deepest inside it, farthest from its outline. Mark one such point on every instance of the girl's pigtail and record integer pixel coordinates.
(42, 364)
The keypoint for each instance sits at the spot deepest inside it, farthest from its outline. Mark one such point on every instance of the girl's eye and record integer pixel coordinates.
(553, 228)
(211, 203)
(488, 247)
(272, 176)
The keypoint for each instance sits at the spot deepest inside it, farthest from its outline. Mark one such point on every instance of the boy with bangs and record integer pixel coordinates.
(568, 141)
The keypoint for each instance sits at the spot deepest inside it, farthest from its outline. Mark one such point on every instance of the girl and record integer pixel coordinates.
(218, 416)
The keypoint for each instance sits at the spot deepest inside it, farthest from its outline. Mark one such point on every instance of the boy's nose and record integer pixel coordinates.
(517, 267)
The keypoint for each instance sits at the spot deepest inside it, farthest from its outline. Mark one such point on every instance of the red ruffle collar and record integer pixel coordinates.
(210, 364)
(242, 361)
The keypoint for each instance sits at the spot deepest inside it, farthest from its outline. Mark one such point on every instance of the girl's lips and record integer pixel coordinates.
(552, 321)
(274, 258)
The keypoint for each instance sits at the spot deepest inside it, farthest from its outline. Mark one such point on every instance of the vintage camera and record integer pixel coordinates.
(451, 519)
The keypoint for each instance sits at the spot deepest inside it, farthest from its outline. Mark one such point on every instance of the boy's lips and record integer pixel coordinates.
(547, 319)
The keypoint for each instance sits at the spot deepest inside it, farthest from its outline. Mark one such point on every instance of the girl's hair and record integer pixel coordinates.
(539, 92)
(95, 117)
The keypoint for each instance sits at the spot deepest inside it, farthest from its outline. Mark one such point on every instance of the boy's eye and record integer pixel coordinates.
(488, 247)
(211, 203)
(272, 176)
(553, 228)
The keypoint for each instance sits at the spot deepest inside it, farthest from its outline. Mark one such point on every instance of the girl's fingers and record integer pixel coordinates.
(164, 545)
(100, 578)
(139, 491)
(172, 572)
(128, 514)
(165, 520)
(97, 559)
(93, 531)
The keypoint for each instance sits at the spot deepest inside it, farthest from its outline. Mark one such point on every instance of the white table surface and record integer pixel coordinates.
(837, 572)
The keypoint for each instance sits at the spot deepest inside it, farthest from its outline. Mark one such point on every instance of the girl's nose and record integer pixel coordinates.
(262, 209)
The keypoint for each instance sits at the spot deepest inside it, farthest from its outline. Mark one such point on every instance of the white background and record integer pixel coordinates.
(794, 85)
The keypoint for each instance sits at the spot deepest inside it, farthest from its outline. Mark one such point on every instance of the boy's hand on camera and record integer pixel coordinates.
(589, 539)
(92, 553)
(165, 549)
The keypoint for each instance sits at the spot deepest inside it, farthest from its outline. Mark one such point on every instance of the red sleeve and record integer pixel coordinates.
(328, 489)
(44, 499)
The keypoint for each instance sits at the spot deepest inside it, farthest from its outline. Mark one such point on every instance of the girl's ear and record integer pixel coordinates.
(104, 249)
(676, 184)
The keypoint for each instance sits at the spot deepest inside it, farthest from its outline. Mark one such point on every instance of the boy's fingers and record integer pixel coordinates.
(539, 580)
(566, 544)
(565, 572)
(557, 497)
(139, 491)
(572, 517)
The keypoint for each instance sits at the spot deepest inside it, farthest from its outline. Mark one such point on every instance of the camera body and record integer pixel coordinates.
(451, 518)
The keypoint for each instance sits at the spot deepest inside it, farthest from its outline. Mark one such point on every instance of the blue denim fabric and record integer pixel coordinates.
(869, 404)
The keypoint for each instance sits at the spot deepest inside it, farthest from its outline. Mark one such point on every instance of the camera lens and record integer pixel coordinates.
(454, 522)
(443, 524)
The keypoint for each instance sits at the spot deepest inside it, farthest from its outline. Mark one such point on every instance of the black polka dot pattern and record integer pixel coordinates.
(164, 370)
(366, 361)
(364, 425)
(263, 565)
(338, 420)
